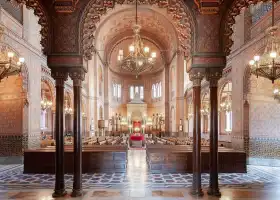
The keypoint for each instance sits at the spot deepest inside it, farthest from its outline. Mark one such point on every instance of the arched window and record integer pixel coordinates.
(225, 117)
(131, 91)
(141, 92)
(114, 90)
(119, 91)
(160, 89)
(157, 86)
(154, 91)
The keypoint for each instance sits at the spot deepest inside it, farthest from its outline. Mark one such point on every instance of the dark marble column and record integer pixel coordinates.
(77, 77)
(214, 184)
(60, 78)
(196, 184)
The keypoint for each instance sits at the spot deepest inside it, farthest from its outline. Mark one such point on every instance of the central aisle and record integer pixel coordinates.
(137, 170)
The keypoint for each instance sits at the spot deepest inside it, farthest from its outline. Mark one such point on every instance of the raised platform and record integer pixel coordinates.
(103, 158)
(178, 158)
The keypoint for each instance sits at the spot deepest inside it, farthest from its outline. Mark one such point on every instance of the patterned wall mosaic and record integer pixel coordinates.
(264, 148)
(14, 145)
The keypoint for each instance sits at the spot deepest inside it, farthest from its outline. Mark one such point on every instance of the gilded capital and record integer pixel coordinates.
(196, 78)
(77, 75)
(59, 75)
(213, 77)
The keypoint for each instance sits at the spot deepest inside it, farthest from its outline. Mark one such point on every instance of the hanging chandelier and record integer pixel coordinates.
(226, 104)
(139, 59)
(205, 110)
(45, 103)
(276, 93)
(10, 67)
(68, 110)
(268, 65)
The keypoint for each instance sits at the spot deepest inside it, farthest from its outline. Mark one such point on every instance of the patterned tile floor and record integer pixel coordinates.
(11, 177)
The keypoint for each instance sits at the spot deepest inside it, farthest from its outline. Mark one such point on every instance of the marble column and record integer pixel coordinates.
(60, 78)
(214, 184)
(196, 184)
(77, 76)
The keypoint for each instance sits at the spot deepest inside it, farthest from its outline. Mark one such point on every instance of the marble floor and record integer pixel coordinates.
(137, 183)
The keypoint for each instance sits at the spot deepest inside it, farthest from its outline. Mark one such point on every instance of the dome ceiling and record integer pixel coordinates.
(158, 30)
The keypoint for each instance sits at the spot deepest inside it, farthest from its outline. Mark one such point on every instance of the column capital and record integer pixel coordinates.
(213, 75)
(60, 75)
(77, 75)
(196, 77)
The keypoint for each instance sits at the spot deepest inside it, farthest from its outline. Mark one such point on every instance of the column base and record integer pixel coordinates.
(59, 193)
(197, 193)
(77, 193)
(214, 192)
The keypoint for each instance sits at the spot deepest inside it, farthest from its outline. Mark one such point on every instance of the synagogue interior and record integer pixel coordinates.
(139, 99)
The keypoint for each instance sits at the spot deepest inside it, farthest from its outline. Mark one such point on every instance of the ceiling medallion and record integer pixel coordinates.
(138, 60)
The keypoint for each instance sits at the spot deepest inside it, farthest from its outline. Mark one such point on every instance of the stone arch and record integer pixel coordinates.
(179, 10)
(50, 84)
(43, 16)
(234, 9)
(221, 88)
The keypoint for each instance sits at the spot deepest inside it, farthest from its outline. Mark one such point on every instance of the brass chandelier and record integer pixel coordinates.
(139, 60)
(268, 65)
(10, 67)
(226, 104)
(45, 103)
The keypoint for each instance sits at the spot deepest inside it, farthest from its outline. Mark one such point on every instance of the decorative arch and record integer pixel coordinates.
(51, 85)
(180, 12)
(41, 13)
(221, 88)
(234, 9)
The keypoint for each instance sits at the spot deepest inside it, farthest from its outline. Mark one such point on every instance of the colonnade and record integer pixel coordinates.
(60, 76)
(213, 78)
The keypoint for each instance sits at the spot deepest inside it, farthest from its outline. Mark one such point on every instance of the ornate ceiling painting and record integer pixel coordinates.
(178, 14)
(151, 24)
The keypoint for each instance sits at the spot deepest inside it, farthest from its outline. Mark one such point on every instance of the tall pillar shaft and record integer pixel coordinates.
(196, 184)
(77, 87)
(59, 190)
(214, 183)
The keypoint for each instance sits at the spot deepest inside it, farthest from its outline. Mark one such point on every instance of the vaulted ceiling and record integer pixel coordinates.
(158, 31)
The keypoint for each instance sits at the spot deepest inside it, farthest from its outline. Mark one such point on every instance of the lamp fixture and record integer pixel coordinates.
(276, 93)
(139, 59)
(205, 110)
(10, 67)
(67, 109)
(268, 65)
(226, 104)
(45, 103)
